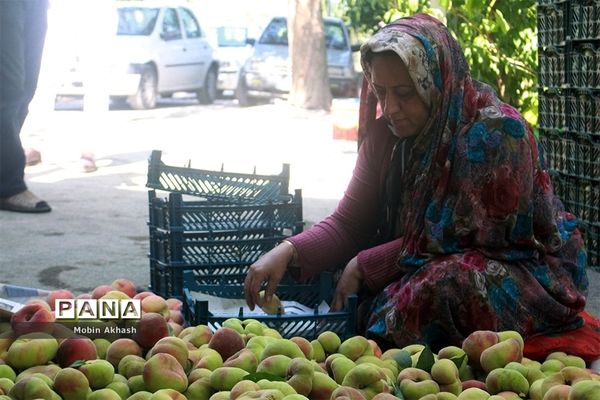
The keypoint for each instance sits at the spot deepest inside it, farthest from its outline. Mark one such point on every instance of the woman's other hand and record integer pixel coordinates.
(349, 283)
(269, 268)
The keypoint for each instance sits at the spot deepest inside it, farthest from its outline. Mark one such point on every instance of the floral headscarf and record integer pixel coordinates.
(475, 178)
(413, 55)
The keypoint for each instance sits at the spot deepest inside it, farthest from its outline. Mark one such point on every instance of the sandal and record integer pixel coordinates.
(32, 157)
(88, 162)
(24, 202)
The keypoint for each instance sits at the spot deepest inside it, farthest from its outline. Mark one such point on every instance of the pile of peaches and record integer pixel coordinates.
(163, 359)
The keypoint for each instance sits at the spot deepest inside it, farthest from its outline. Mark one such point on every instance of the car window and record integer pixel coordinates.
(137, 21)
(334, 36)
(275, 33)
(190, 24)
(231, 36)
(170, 26)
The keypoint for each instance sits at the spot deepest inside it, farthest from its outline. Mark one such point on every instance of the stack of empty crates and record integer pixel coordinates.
(569, 108)
(208, 230)
(213, 223)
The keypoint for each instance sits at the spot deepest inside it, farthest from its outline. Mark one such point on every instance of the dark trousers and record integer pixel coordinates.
(23, 26)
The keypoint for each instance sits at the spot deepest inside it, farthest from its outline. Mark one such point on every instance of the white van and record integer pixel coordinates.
(267, 72)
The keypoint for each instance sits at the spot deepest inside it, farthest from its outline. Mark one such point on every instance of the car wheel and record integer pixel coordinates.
(146, 94)
(208, 93)
(241, 93)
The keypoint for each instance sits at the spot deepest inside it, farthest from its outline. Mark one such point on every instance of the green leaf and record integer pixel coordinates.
(475, 7)
(257, 376)
(426, 360)
(403, 359)
(77, 364)
(501, 22)
(458, 360)
(397, 392)
(446, 4)
(502, 54)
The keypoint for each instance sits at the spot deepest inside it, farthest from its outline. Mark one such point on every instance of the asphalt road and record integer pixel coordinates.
(97, 230)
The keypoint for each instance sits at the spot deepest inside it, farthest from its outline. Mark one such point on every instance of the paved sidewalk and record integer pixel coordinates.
(97, 230)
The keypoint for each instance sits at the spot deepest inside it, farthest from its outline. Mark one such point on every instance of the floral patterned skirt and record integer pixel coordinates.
(443, 301)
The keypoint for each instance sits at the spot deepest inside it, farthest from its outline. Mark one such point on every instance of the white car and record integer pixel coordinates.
(159, 49)
(233, 49)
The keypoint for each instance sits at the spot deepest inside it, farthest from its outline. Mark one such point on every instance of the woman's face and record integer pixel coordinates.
(400, 102)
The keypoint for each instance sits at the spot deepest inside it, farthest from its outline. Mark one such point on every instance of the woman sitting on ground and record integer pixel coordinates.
(449, 223)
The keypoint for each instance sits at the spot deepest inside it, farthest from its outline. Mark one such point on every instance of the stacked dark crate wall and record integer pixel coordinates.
(569, 108)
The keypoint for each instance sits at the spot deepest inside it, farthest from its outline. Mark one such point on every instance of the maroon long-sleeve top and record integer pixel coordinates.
(351, 228)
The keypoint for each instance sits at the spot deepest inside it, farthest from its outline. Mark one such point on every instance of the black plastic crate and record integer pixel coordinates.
(218, 186)
(206, 253)
(552, 111)
(574, 156)
(168, 280)
(231, 286)
(211, 249)
(552, 18)
(177, 215)
(226, 281)
(591, 234)
(552, 67)
(579, 196)
(582, 198)
(584, 21)
(584, 68)
(583, 113)
(549, 2)
(305, 324)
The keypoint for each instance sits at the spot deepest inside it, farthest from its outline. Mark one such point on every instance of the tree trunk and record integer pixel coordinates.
(310, 83)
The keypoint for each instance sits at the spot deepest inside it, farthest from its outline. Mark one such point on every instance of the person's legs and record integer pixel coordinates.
(12, 76)
(36, 23)
(23, 27)
(450, 297)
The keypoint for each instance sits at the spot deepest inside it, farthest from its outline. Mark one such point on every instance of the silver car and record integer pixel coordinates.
(159, 48)
(267, 72)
